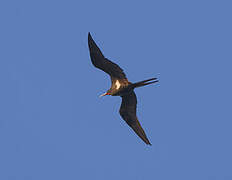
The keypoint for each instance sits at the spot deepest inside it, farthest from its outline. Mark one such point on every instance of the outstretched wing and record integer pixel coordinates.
(128, 113)
(99, 61)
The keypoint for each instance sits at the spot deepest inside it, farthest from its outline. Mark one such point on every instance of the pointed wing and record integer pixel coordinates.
(128, 113)
(99, 61)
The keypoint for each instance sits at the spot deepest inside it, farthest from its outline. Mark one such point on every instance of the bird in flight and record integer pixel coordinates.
(120, 87)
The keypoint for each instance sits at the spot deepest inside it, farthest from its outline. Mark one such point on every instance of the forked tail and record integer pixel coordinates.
(144, 83)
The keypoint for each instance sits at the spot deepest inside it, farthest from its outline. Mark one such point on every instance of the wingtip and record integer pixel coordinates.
(149, 144)
(89, 36)
(90, 40)
(146, 140)
(140, 132)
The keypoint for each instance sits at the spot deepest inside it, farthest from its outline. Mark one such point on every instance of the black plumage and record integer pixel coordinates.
(120, 87)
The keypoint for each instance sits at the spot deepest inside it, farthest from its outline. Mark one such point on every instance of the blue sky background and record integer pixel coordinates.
(54, 126)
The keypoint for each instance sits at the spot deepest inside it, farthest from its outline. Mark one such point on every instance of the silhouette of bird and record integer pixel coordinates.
(120, 87)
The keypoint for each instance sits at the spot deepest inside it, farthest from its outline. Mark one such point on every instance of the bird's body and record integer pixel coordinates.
(120, 86)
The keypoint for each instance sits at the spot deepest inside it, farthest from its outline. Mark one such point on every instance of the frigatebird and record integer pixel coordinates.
(120, 87)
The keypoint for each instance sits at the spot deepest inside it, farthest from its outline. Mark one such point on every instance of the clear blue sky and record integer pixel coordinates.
(53, 125)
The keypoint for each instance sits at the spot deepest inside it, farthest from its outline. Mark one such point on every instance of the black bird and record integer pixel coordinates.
(120, 87)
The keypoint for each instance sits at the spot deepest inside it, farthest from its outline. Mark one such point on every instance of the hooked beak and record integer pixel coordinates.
(104, 94)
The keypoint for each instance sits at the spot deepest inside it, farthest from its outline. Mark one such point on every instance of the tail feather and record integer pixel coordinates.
(144, 83)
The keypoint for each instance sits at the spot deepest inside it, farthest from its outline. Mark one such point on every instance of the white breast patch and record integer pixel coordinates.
(117, 84)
